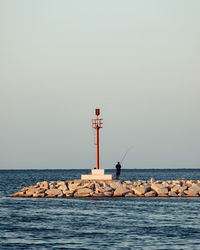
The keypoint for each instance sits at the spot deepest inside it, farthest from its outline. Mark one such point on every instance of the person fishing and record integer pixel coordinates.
(118, 170)
(118, 166)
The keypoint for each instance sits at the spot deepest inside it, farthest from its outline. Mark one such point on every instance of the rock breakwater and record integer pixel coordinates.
(111, 188)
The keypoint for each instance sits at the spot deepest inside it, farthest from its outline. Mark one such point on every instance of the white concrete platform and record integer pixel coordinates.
(97, 174)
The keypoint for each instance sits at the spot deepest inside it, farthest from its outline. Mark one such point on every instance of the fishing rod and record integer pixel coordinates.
(124, 156)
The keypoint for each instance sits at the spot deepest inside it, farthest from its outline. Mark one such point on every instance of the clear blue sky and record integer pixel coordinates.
(138, 61)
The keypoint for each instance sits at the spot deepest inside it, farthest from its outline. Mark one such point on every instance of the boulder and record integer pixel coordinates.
(97, 195)
(89, 185)
(160, 189)
(196, 186)
(83, 192)
(176, 182)
(60, 183)
(158, 182)
(31, 191)
(115, 184)
(152, 180)
(43, 185)
(150, 194)
(38, 195)
(165, 184)
(73, 186)
(63, 187)
(18, 194)
(190, 183)
(108, 194)
(172, 194)
(99, 189)
(68, 193)
(130, 194)
(181, 194)
(182, 189)
(53, 193)
(193, 192)
(61, 195)
(52, 184)
(141, 190)
(120, 191)
(163, 195)
(128, 182)
(175, 188)
(83, 195)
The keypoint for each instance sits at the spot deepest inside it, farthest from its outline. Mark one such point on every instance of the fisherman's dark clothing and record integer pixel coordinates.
(118, 170)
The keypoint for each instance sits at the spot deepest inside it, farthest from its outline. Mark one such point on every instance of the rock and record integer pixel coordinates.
(165, 184)
(182, 189)
(31, 191)
(172, 194)
(194, 192)
(43, 185)
(108, 188)
(38, 195)
(61, 195)
(181, 194)
(150, 194)
(128, 182)
(163, 195)
(139, 182)
(108, 194)
(98, 195)
(130, 194)
(77, 195)
(196, 186)
(77, 182)
(120, 191)
(190, 183)
(160, 189)
(52, 184)
(141, 190)
(18, 194)
(115, 185)
(60, 183)
(175, 188)
(158, 182)
(152, 180)
(68, 193)
(128, 186)
(176, 182)
(53, 193)
(63, 187)
(73, 186)
(84, 192)
(99, 189)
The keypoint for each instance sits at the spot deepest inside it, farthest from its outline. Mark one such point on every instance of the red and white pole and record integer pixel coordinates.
(97, 124)
(97, 147)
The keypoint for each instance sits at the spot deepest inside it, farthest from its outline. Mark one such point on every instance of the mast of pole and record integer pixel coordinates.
(97, 124)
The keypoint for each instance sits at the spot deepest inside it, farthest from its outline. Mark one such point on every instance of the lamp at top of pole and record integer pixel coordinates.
(97, 123)
(97, 112)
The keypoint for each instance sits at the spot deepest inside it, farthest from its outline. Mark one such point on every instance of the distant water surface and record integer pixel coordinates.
(109, 223)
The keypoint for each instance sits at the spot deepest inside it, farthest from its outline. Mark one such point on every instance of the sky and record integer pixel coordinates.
(136, 60)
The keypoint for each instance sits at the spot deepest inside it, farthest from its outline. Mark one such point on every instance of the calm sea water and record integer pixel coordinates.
(112, 223)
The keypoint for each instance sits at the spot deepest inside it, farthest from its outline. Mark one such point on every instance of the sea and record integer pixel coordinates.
(101, 223)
